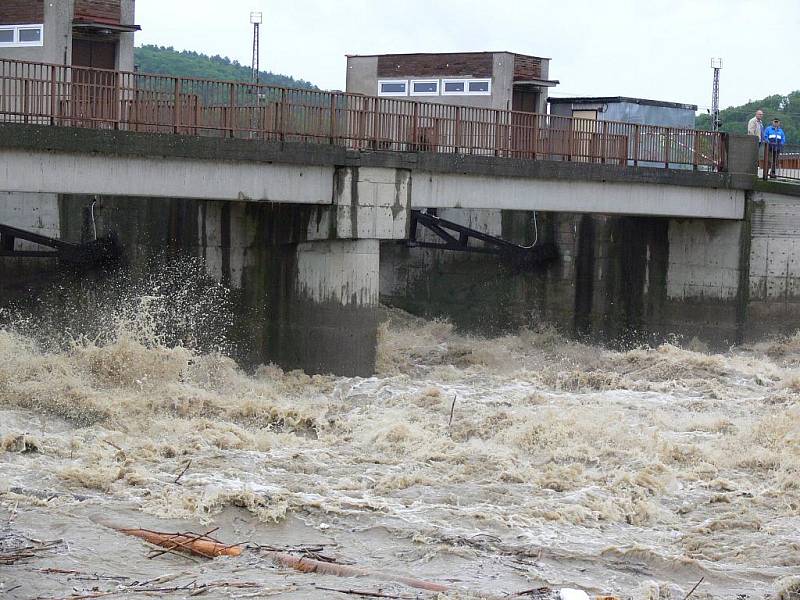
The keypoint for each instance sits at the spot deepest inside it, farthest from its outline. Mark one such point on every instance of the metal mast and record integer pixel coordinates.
(255, 19)
(716, 64)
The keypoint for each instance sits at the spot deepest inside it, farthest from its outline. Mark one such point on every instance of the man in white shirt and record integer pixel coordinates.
(755, 127)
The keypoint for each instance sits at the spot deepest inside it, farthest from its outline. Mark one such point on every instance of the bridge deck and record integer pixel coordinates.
(43, 94)
(61, 160)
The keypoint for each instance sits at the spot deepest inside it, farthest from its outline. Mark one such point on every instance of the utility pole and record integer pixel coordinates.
(716, 64)
(255, 19)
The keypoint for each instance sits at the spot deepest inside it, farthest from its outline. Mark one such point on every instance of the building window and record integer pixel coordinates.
(425, 87)
(21, 35)
(479, 86)
(466, 87)
(454, 87)
(393, 87)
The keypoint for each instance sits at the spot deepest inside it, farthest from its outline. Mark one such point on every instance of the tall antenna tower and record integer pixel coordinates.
(716, 64)
(255, 19)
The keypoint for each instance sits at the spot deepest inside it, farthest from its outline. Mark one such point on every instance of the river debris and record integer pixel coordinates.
(696, 585)
(186, 468)
(15, 546)
(193, 588)
(310, 565)
(202, 544)
(198, 544)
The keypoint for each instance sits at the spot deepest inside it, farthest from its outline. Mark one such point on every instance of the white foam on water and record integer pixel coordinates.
(622, 472)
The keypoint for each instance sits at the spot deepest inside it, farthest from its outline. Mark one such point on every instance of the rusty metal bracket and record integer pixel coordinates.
(457, 237)
(101, 252)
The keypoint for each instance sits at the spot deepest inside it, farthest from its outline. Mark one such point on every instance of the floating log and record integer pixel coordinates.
(309, 565)
(198, 544)
(208, 547)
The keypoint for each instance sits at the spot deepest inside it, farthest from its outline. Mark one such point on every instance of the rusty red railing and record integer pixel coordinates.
(780, 162)
(96, 98)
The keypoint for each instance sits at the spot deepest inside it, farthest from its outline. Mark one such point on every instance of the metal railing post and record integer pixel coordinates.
(53, 91)
(636, 140)
(231, 108)
(604, 143)
(279, 115)
(375, 123)
(667, 142)
(457, 132)
(117, 100)
(498, 136)
(333, 118)
(414, 126)
(25, 102)
(696, 151)
(176, 108)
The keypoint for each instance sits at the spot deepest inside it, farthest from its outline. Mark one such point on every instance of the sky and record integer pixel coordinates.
(656, 49)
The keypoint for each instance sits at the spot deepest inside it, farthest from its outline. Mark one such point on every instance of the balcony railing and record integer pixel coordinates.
(781, 163)
(81, 97)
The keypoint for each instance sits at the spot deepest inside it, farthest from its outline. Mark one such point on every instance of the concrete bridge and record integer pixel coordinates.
(51, 160)
(304, 212)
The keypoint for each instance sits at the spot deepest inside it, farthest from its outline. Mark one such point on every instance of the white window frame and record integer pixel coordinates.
(395, 94)
(466, 82)
(15, 43)
(488, 91)
(413, 93)
(446, 81)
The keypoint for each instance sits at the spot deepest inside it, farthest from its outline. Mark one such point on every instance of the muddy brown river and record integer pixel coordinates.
(492, 466)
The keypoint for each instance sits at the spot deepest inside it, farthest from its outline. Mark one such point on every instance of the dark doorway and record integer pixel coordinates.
(94, 53)
(524, 100)
(94, 93)
(524, 125)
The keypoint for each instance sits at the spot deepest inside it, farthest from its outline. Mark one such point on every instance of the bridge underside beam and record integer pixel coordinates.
(444, 190)
(158, 176)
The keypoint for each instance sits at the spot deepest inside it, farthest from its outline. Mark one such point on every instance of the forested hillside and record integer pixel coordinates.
(185, 63)
(786, 108)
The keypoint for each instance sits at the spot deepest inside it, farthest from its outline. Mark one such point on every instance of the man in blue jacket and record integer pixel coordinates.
(775, 139)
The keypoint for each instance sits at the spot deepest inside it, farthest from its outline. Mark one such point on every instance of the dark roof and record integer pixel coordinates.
(448, 53)
(81, 23)
(619, 99)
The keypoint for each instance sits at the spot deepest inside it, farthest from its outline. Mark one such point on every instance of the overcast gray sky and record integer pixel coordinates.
(657, 49)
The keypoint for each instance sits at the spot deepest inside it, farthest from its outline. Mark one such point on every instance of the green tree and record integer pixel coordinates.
(186, 63)
(786, 108)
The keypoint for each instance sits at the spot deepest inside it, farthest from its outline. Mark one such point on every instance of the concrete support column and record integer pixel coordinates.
(327, 320)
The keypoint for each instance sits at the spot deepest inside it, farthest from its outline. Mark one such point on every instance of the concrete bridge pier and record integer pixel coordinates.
(321, 312)
(302, 278)
(323, 318)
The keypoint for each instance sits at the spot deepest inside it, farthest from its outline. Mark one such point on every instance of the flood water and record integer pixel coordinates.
(490, 465)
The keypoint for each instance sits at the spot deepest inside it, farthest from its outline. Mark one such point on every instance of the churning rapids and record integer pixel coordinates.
(564, 465)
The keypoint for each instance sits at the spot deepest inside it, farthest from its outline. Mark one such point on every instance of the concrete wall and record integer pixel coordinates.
(331, 320)
(618, 279)
(38, 213)
(774, 282)
(125, 48)
(57, 48)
